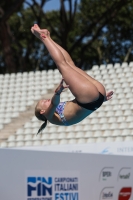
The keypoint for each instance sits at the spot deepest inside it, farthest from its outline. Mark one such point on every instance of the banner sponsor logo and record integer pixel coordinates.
(52, 185)
(107, 193)
(39, 186)
(106, 150)
(125, 193)
(124, 173)
(106, 173)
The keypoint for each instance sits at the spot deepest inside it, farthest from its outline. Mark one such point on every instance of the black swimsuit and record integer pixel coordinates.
(93, 105)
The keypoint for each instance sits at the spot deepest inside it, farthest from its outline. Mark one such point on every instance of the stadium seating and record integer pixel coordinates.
(111, 122)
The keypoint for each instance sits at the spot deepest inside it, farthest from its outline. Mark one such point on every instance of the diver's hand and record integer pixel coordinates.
(61, 87)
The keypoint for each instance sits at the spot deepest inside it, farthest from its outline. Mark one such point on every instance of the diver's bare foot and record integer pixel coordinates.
(40, 33)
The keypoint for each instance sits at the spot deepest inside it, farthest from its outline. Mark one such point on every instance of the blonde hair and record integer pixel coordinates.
(40, 117)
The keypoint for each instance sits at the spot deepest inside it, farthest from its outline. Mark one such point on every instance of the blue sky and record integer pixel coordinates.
(55, 5)
(52, 4)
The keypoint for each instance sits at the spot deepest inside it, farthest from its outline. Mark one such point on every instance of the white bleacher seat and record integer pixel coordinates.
(11, 144)
(110, 66)
(125, 107)
(62, 135)
(19, 138)
(128, 112)
(35, 137)
(30, 102)
(79, 134)
(110, 113)
(101, 114)
(116, 107)
(20, 131)
(127, 90)
(128, 74)
(78, 127)
(1, 126)
(121, 119)
(115, 132)
(118, 113)
(54, 142)
(34, 119)
(61, 129)
(15, 114)
(27, 125)
(128, 138)
(111, 71)
(123, 100)
(131, 125)
(129, 96)
(115, 81)
(129, 118)
(3, 144)
(37, 97)
(95, 68)
(72, 141)
(27, 131)
(53, 136)
(91, 140)
(63, 141)
(87, 127)
(85, 121)
(96, 127)
(109, 139)
(117, 65)
(45, 136)
(36, 124)
(11, 138)
(125, 132)
(37, 143)
(98, 133)
(46, 142)
(124, 65)
(94, 121)
(22, 108)
(12, 75)
(119, 139)
(114, 126)
(105, 126)
(28, 143)
(28, 138)
(100, 140)
(107, 133)
(19, 144)
(102, 66)
(88, 134)
(81, 141)
(114, 101)
(112, 76)
(71, 135)
(34, 131)
(7, 121)
(52, 129)
(131, 64)
(123, 125)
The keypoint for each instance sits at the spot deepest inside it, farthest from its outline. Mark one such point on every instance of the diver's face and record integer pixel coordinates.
(44, 104)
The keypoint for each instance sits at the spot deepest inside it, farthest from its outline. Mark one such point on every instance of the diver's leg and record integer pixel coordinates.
(84, 90)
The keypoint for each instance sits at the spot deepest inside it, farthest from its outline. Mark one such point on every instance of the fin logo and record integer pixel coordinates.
(125, 193)
(39, 187)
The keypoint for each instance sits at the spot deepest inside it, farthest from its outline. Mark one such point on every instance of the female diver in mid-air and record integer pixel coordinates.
(89, 93)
